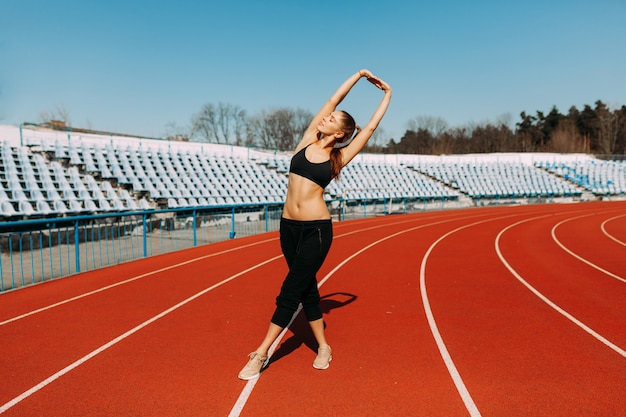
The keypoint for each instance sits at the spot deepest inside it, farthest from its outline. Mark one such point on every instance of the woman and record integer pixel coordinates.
(305, 227)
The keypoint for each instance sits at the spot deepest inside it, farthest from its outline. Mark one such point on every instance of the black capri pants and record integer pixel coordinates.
(305, 244)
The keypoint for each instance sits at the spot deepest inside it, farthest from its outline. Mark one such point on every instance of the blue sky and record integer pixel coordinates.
(134, 66)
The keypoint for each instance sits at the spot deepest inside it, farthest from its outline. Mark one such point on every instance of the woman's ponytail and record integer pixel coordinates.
(336, 160)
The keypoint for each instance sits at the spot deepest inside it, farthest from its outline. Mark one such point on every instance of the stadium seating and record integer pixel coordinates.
(371, 180)
(49, 173)
(495, 178)
(597, 176)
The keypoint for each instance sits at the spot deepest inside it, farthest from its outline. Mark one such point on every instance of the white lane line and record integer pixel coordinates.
(549, 302)
(167, 268)
(247, 390)
(580, 258)
(135, 278)
(610, 236)
(123, 336)
(443, 350)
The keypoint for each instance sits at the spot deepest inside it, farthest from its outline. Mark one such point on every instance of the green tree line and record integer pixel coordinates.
(597, 130)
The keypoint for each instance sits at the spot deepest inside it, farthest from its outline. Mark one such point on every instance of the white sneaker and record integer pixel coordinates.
(253, 367)
(324, 356)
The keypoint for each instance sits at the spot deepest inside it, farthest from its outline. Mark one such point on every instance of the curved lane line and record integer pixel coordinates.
(580, 258)
(123, 336)
(126, 281)
(135, 329)
(546, 300)
(247, 390)
(608, 234)
(156, 271)
(443, 350)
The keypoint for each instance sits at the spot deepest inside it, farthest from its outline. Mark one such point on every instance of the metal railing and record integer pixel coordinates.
(38, 250)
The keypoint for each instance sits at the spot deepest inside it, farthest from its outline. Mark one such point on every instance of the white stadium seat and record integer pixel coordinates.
(62, 177)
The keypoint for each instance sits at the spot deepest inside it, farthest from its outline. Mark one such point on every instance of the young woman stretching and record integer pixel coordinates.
(305, 227)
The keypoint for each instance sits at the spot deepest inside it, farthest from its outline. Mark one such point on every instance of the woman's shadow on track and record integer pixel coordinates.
(302, 333)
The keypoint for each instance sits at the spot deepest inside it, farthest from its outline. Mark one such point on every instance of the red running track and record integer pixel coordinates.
(508, 311)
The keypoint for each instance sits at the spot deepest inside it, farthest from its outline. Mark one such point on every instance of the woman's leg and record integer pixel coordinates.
(312, 307)
(324, 353)
(272, 333)
(258, 359)
(311, 297)
(317, 326)
(305, 246)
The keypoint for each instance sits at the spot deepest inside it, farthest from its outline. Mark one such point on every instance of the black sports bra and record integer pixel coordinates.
(319, 173)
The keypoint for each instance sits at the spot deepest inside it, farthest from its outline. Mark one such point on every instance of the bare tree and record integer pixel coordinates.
(239, 120)
(279, 128)
(434, 125)
(177, 132)
(224, 123)
(279, 125)
(301, 120)
(59, 114)
(566, 138)
(505, 119)
(259, 132)
(446, 142)
(608, 123)
(204, 124)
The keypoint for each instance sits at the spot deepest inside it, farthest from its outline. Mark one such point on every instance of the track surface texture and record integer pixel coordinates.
(507, 311)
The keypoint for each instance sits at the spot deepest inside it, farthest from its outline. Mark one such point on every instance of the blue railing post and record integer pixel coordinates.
(145, 237)
(266, 208)
(127, 233)
(11, 260)
(232, 230)
(195, 239)
(22, 259)
(77, 246)
(50, 251)
(1, 273)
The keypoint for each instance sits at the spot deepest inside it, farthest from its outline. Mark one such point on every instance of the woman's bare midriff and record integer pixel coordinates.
(305, 200)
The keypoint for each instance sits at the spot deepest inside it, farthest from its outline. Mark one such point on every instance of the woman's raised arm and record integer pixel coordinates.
(360, 140)
(310, 135)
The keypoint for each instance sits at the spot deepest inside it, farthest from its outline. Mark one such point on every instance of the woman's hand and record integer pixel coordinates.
(382, 85)
(365, 73)
(379, 83)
